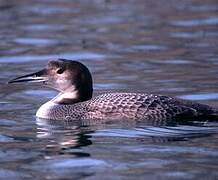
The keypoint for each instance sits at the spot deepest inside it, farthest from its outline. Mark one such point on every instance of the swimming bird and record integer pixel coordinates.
(74, 82)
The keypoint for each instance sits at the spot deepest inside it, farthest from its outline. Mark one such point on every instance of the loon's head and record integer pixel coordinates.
(71, 78)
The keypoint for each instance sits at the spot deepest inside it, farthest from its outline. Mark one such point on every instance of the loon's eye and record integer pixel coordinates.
(60, 71)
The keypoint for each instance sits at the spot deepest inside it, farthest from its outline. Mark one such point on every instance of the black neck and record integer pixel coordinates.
(84, 93)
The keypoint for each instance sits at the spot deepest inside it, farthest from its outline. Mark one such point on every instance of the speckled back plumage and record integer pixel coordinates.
(144, 106)
(135, 106)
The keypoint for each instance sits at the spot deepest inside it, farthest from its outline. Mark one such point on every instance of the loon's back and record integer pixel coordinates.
(145, 106)
(128, 106)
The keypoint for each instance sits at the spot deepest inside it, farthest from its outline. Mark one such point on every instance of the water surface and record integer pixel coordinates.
(136, 46)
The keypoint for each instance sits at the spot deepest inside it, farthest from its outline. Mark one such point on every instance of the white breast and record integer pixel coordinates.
(45, 111)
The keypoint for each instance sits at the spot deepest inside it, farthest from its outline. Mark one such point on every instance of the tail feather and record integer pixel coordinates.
(207, 112)
(204, 112)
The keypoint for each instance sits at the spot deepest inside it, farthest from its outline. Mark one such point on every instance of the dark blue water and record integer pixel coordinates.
(133, 46)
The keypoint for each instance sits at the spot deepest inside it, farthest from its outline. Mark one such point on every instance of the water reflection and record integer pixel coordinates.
(65, 137)
(79, 55)
(35, 41)
(197, 22)
(70, 147)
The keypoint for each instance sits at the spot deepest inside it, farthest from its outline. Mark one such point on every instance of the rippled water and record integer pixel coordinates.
(133, 46)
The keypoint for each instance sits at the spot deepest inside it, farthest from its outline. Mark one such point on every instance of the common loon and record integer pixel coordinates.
(74, 102)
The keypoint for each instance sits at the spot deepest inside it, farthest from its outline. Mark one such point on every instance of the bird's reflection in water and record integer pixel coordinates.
(63, 137)
(67, 137)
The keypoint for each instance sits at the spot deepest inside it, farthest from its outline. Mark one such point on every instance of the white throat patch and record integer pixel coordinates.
(66, 95)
